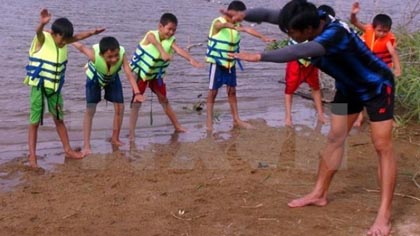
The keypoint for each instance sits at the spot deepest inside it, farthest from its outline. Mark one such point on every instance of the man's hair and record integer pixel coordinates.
(168, 18)
(237, 6)
(63, 27)
(382, 20)
(108, 43)
(327, 9)
(298, 15)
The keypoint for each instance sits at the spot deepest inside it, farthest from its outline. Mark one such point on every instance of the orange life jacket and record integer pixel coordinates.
(378, 45)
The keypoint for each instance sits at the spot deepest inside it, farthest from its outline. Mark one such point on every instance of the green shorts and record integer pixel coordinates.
(54, 101)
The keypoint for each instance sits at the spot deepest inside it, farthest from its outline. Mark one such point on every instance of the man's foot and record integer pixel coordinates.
(381, 227)
(180, 129)
(86, 151)
(73, 154)
(33, 162)
(117, 142)
(242, 124)
(308, 200)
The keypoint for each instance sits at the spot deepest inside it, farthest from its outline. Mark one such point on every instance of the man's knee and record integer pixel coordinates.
(336, 139)
(382, 145)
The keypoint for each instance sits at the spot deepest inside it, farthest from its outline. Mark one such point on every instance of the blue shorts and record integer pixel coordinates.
(113, 91)
(219, 75)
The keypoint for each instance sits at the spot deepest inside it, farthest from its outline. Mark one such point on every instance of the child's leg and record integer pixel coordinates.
(32, 139)
(163, 100)
(233, 102)
(134, 114)
(211, 99)
(288, 114)
(118, 118)
(87, 127)
(359, 120)
(62, 133)
(316, 94)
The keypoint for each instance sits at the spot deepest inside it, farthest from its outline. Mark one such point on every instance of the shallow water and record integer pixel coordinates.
(260, 94)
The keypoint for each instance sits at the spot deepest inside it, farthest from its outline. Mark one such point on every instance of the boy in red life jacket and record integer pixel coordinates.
(379, 39)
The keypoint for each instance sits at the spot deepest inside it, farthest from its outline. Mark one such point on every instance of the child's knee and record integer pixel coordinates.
(231, 92)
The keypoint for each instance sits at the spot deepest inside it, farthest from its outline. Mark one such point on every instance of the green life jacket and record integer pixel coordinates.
(303, 61)
(147, 62)
(99, 70)
(220, 44)
(46, 66)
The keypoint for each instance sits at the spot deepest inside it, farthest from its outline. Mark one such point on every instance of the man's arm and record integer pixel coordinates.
(353, 17)
(187, 56)
(85, 50)
(152, 39)
(127, 70)
(289, 53)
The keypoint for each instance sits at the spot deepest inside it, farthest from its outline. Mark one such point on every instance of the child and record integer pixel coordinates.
(224, 37)
(297, 72)
(149, 63)
(380, 40)
(362, 80)
(45, 75)
(105, 61)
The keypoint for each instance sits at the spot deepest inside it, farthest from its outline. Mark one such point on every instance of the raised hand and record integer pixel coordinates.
(235, 15)
(355, 7)
(98, 30)
(45, 16)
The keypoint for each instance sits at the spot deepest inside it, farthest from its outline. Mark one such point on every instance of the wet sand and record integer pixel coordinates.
(236, 182)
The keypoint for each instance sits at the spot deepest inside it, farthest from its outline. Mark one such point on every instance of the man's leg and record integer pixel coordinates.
(330, 160)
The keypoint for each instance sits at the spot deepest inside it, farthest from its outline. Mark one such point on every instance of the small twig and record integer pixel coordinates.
(396, 194)
(415, 179)
(253, 207)
(179, 218)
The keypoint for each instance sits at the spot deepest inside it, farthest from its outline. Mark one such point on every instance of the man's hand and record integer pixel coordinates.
(44, 17)
(252, 57)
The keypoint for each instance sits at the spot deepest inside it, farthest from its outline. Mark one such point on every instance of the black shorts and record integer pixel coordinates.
(379, 108)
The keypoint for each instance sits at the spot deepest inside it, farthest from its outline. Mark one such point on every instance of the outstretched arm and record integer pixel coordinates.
(44, 18)
(255, 33)
(152, 39)
(187, 56)
(395, 59)
(127, 70)
(85, 50)
(257, 15)
(289, 53)
(353, 17)
(85, 34)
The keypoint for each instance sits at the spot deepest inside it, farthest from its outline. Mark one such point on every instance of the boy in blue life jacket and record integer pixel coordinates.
(149, 63)
(224, 37)
(45, 75)
(362, 80)
(105, 62)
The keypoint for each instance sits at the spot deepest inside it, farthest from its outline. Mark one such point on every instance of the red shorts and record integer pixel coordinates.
(296, 74)
(155, 85)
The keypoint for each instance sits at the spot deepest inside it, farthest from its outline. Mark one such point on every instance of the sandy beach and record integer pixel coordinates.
(216, 186)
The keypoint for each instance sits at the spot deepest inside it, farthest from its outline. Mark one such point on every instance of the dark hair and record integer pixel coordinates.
(237, 6)
(168, 18)
(298, 15)
(63, 27)
(108, 43)
(327, 9)
(382, 20)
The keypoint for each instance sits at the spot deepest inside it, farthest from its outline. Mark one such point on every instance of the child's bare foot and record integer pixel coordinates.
(308, 200)
(73, 154)
(288, 123)
(33, 162)
(117, 142)
(180, 129)
(381, 227)
(242, 124)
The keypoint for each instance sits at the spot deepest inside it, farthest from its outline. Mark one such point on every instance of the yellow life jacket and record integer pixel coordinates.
(147, 62)
(47, 66)
(303, 61)
(98, 70)
(220, 44)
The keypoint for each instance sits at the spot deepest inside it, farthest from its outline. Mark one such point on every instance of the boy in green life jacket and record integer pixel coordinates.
(45, 75)
(105, 61)
(149, 63)
(224, 37)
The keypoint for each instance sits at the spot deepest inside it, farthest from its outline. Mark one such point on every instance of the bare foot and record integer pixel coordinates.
(180, 129)
(308, 200)
(381, 227)
(73, 154)
(86, 151)
(33, 162)
(117, 142)
(242, 124)
(288, 123)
